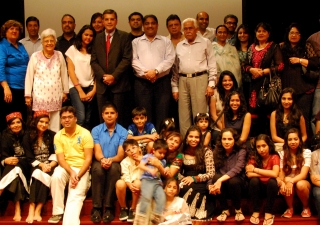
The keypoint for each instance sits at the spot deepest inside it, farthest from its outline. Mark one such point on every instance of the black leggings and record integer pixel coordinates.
(257, 188)
(232, 188)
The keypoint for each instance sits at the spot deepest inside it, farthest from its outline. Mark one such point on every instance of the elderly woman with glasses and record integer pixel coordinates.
(46, 85)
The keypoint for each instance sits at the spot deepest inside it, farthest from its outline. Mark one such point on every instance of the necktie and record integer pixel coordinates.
(108, 47)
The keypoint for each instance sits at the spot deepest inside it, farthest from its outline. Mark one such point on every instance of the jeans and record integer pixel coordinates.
(315, 108)
(151, 188)
(316, 195)
(83, 109)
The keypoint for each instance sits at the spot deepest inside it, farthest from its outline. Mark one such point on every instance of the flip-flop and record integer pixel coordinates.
(255, 220)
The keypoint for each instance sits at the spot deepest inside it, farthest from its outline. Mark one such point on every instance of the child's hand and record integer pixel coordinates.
(154, 136)
(166, 171)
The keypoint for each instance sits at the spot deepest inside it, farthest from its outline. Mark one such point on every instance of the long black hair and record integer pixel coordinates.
(299, 49)
(199, 151)
(219, 154)
(78, 39)
(269, 142)
(34, 132)
(220, 89)
(295, 113)
(242, 108)
(247, 31)
(287, 158)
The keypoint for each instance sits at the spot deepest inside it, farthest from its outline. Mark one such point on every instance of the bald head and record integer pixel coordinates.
(202, 20)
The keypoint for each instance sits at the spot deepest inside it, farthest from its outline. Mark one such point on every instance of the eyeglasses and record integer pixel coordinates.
(67, 117)
(131, 149)
(294, 33)
(232, 23)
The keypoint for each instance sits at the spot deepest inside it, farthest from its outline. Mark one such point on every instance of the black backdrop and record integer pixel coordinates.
(12, 9)
(281, 13)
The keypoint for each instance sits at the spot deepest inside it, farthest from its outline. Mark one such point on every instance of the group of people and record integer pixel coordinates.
(221, 142)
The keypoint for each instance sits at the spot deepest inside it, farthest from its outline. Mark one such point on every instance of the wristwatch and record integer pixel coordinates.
(157, 72)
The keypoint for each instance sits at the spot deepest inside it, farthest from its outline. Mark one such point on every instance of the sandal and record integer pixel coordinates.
(288, 213)
(223, 216)
(271, 219)
(254, 220)
(239, 215)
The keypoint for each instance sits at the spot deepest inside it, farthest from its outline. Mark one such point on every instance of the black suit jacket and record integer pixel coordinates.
(119, 61)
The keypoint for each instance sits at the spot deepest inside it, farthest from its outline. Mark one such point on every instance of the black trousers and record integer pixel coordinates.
(103, 184)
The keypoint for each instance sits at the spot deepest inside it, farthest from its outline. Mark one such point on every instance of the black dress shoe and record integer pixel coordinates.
(108, 216)
(95, 215)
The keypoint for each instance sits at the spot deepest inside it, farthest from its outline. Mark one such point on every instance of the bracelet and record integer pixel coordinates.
(253, 169)
(76, 85)
(6, 87)
(262, 72)
(194, 179)
(300, 60)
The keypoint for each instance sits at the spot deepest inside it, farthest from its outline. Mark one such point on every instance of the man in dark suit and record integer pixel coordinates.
(111, 62)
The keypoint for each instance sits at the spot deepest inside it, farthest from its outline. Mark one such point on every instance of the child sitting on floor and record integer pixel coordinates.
(130, 179)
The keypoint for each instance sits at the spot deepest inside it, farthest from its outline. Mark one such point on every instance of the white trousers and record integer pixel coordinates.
(54, 121)
(76, 196)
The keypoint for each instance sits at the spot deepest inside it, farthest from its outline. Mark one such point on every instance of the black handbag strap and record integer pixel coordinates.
(215, 122)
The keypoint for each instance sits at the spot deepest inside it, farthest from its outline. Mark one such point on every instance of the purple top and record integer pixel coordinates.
(233, 165)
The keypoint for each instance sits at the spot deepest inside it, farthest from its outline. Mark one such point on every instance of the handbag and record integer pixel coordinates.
(269, 95)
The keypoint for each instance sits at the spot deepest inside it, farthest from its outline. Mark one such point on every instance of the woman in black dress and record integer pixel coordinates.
(15, 176)
(38, 145)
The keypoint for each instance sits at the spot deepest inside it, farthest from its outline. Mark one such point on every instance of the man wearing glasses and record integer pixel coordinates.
(73, 146)
(231, 22)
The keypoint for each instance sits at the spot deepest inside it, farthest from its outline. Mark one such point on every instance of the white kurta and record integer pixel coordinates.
(46, 81)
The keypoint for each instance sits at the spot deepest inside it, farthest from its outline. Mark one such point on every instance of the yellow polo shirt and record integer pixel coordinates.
(73, 147)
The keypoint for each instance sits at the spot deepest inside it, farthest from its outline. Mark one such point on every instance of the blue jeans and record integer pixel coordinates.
(83, 109)
(150, 189)
(315, 107)
(316, 195)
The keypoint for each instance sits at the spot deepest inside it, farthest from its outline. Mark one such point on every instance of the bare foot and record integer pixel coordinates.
(37, 218)
(29, 219)
(17, 217)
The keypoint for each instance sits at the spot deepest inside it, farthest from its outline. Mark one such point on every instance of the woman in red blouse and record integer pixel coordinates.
(262, 170)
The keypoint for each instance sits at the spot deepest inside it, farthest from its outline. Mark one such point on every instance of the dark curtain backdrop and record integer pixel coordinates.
(12, 9)
(280, 14)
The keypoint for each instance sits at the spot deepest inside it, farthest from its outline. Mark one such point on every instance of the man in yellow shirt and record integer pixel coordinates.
(74, 149)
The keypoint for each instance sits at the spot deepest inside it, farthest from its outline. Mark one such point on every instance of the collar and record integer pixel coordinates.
(144, 37)
(196, 40)
(28, 38)
(63, 131)
(62, 37)
(111, 34)
(7, 43)
(105, 128)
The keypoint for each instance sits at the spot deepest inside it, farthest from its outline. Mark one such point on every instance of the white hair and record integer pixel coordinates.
(48, 32)
(190, 20)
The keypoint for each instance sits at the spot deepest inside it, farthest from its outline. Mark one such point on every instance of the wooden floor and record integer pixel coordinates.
(246, 208)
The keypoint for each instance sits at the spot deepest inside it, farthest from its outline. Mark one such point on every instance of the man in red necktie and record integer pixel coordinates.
(111, 64)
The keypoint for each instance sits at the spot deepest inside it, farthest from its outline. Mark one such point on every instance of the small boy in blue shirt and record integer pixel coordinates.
(151, 183)
(142, 131)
